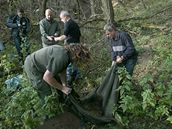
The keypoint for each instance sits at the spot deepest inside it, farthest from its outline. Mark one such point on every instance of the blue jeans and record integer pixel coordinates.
(72, 73)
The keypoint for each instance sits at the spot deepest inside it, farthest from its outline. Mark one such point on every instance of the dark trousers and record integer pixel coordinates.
(36, 79)
(21, 42)
(129, 64)
(17, 42)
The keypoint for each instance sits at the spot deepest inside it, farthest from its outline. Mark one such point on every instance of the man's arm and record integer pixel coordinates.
(42, 29)
(63, 78)
(60, 38)
(130, 49)
(48, 77)
(28, 26)
(10, 23)
(58, 30)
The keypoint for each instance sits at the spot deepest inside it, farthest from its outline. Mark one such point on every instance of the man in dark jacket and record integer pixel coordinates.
(20, 27)
(123, 50)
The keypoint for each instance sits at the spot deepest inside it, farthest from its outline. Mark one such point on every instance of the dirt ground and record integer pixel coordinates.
(65, 120)
(68, 120)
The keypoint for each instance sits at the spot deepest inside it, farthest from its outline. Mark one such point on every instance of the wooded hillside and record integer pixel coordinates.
(144, 103)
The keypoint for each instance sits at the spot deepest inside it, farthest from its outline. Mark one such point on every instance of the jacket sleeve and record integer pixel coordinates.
(66, 29)
(130, 49)
(110, 47)
(113, 55)
(28, 25)
(10, 22)
(42, 29)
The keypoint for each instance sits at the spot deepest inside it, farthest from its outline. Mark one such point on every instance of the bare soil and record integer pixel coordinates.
(65, 120)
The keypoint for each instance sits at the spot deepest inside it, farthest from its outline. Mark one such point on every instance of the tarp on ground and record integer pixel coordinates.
(105, 97)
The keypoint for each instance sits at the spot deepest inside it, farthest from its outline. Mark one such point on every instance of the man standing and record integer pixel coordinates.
(46, 67)
(49, 29)
(71, 35)
(72, 32)
(20, 27)
(123, 50)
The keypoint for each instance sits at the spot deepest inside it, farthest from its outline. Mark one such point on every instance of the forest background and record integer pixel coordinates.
(145, 103)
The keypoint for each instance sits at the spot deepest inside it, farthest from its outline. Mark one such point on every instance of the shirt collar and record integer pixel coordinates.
(116, 36)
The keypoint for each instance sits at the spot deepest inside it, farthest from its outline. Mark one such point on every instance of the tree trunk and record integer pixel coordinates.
(44, 6)
(92, 7)
(85, 8)
(96, 7)
(108, 11)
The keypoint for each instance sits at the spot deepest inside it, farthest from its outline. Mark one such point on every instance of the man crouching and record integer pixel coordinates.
(46, 67)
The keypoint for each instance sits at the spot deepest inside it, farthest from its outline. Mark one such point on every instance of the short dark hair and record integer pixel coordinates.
(21, 10)
(109, 27)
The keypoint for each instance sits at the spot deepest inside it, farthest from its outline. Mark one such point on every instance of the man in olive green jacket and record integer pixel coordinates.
(49, 29)
(46, 67)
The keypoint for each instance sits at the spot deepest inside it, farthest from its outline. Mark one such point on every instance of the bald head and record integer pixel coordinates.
(49, 14)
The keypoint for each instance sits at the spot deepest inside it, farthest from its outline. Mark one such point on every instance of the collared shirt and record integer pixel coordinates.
(122, 45)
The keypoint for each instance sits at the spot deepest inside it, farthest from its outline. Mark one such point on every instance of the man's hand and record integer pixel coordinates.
(56, 38)
(119, 59)
(60, 38)
(51, 38)
(66, 90)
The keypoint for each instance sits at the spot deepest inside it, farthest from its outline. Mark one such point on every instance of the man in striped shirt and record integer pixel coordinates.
(123, 50)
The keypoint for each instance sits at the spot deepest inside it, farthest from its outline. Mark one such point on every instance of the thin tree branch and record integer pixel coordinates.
(146, 17)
